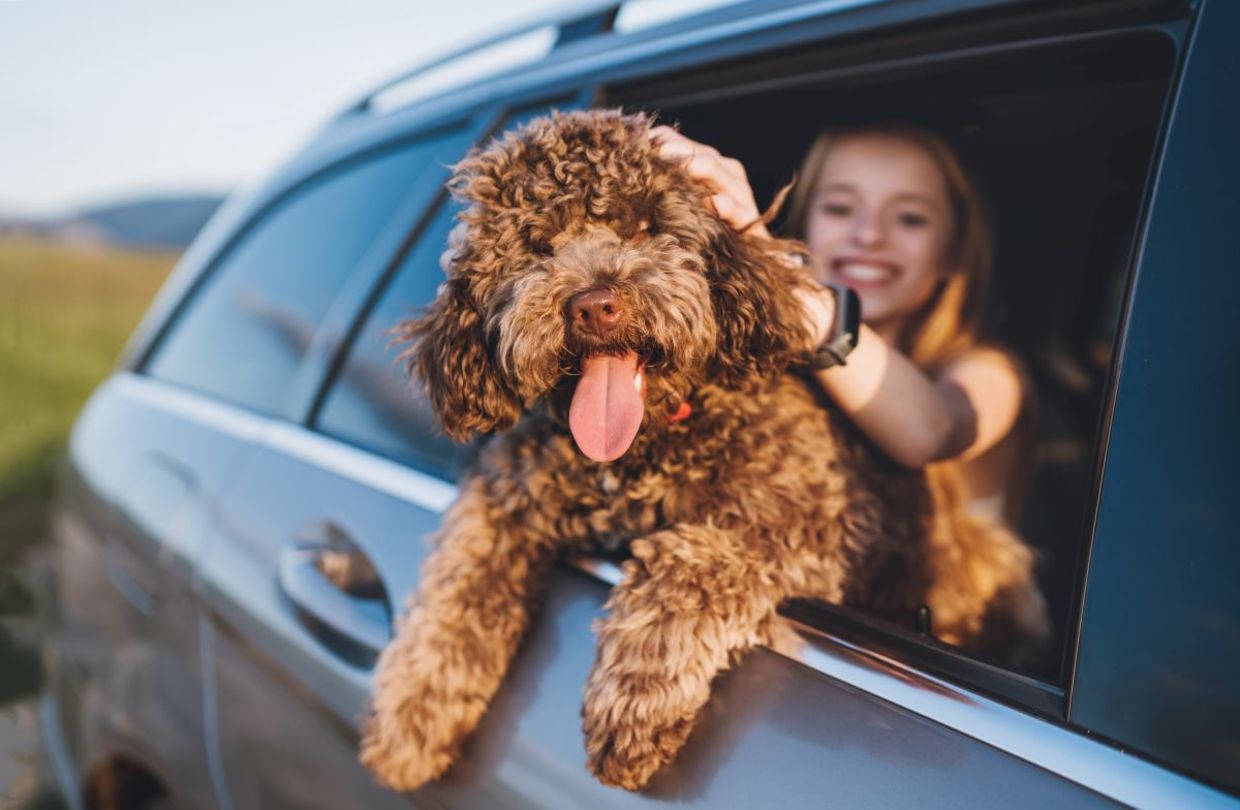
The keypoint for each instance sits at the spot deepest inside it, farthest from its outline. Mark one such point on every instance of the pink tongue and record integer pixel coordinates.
(607, 407)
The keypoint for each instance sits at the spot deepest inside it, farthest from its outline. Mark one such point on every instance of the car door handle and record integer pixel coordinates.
(337, 594)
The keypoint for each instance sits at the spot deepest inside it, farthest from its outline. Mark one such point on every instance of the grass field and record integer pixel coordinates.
(64, 315)
(65, 312)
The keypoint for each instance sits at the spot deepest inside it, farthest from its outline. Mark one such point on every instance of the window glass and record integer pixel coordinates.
(244, 335)
(373, 403)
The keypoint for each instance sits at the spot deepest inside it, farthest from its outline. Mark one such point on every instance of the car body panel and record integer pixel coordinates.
(286, 694)
(140, 477)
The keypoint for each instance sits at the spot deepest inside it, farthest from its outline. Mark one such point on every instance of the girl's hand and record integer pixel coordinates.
(733, 199)
(735, 205)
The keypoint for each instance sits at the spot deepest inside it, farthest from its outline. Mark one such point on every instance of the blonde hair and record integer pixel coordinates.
(949, 322)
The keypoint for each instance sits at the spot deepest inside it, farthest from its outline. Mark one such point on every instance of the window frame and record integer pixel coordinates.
(1047, 699)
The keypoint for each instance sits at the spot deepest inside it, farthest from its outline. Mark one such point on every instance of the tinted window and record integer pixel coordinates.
(373, 403)
(244, 335)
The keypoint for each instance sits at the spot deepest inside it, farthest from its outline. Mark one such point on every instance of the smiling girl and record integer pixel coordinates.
(889, 212)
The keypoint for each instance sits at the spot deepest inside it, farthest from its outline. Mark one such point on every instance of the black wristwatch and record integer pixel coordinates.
(842, 338)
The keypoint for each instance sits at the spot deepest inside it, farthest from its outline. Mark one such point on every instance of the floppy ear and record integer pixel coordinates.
(761, 323)
(450, 354)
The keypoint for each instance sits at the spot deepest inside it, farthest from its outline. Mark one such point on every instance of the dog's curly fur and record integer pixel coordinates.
(762, 494)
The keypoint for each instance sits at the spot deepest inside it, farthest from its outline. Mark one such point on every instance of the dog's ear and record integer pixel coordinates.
(753, 284)
(449, 352)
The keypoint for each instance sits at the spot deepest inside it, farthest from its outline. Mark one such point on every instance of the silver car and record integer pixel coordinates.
(257, 430)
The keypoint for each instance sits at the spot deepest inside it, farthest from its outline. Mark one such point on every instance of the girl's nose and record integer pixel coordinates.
(866, 231)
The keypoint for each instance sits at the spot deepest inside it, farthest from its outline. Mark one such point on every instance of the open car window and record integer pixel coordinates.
(1060, 136)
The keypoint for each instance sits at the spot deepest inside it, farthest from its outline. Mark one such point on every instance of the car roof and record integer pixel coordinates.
(602, 24)
(587, 46)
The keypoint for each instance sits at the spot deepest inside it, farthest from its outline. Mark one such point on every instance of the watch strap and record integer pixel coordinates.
(845, 329)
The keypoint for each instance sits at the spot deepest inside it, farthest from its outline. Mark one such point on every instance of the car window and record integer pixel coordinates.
(250, 323)
(372, 402)
(1058, 138)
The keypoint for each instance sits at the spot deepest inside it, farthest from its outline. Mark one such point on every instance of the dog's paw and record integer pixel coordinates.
(399, 759)
(628, 755)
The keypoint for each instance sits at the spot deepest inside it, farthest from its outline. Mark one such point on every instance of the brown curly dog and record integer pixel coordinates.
(632, 351)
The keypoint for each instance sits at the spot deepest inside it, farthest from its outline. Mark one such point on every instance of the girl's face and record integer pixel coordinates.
(880, 222)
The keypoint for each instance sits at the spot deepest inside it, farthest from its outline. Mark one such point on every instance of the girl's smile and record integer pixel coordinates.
(863, 272)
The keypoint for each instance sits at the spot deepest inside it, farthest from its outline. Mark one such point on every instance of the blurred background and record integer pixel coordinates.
(122, 127)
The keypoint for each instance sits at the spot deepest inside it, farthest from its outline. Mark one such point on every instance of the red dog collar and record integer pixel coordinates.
(682, 413)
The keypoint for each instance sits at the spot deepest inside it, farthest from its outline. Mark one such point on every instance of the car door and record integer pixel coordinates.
(283, 647)
(145, 461)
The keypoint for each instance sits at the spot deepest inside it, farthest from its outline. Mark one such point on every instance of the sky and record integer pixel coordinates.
(103, 101)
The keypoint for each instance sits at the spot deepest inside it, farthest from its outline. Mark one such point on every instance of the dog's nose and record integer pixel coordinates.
(595, 312)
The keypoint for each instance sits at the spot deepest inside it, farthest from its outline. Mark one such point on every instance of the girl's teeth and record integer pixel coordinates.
(866, 272)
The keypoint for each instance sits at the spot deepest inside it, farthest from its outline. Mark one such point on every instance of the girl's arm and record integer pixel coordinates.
(914, 418)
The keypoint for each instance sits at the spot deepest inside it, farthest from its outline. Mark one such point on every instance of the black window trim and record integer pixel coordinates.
(638, 93)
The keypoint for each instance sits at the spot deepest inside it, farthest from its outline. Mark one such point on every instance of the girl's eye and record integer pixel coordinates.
(912, 219)
(836, 209)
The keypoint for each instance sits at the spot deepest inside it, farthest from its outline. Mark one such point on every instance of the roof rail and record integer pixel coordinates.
(571, 22)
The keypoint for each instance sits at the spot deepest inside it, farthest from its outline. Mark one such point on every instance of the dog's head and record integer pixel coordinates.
(588, 265)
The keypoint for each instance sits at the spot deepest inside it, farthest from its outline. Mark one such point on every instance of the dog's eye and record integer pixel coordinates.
(540, 248)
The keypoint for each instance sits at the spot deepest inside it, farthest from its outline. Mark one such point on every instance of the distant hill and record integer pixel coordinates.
(158, 222)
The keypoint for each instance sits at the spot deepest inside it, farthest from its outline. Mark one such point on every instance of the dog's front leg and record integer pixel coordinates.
(435, 679)
(693, 599)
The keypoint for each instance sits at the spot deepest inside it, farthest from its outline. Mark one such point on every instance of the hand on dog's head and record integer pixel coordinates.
(585, 261)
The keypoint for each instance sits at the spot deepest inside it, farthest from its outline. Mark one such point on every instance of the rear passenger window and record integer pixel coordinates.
(1058, 137)
(372, 403)
(249, 326)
